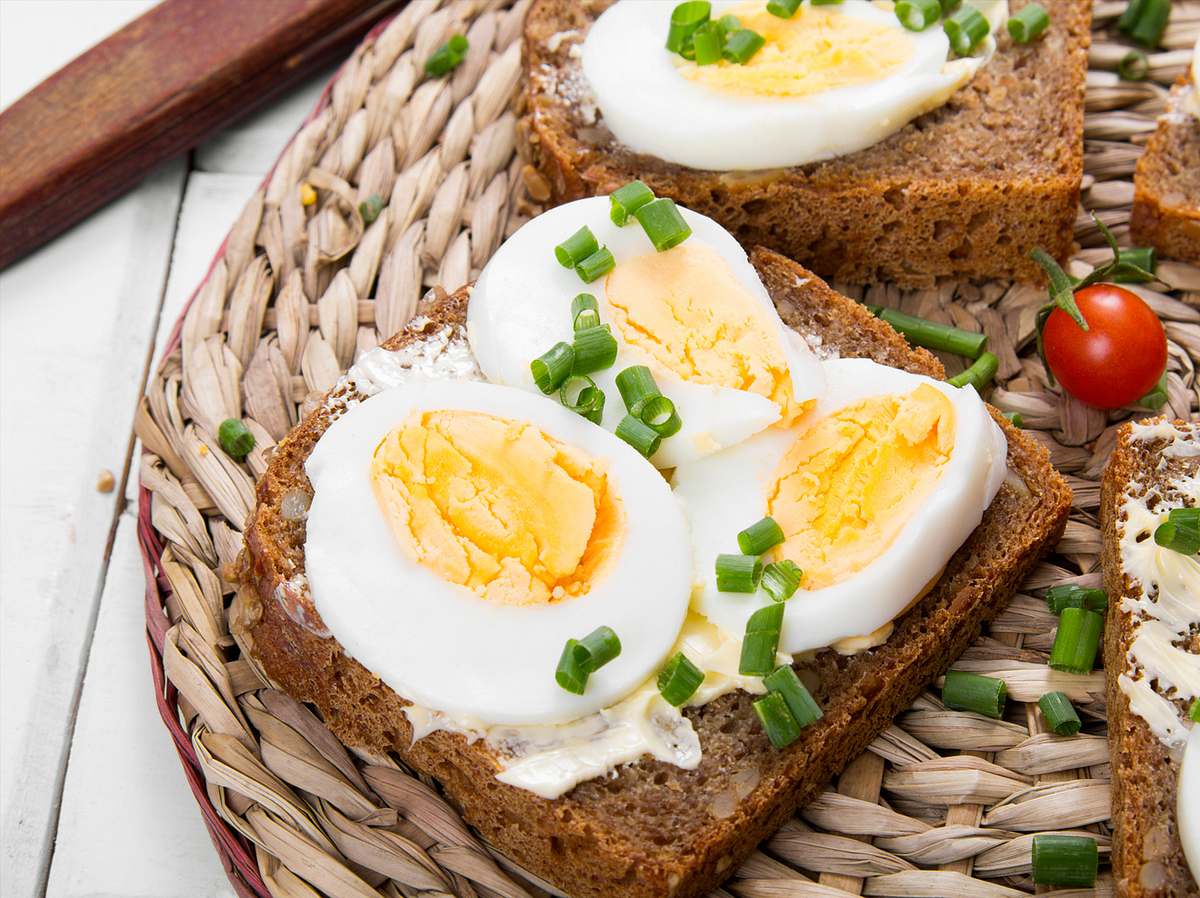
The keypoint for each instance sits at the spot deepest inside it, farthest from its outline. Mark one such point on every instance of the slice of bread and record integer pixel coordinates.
(1147, 859)
(655, 830)
(966, 190)
(1166, 184)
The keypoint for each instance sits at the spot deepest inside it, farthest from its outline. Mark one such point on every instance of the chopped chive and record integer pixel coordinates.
(785, 9)
(707, 43)
(1180, 532)
(1130, 14)
(964, 691)
(966, 28)
(1015, 419)
(599, 263)
(1065, 861)
(637, 387)
(1028, 23)
(235, 438)
(781, 727)
(781, 579)
(1194, 711)
(596, 413)
(728, 25)
(826, 2)
(679, 679)
(1059, 713)
(931, 335)
(761, 641)
(980, 374)
(447, 57)
(685, 19)
(784, 682)
(1076, 641)
(585, 312)
(1072, 596)
(738, 573)
(1146, 21)
(597, 649)
(576, 248)
(659, 415)
(663, 223)
(624, 201)
(638, 435)
(742, 45)
(595, 350)
(760, 536)
(1140, 257)
(458, 43)
(1134, 66)
(1157, 397)
(370, 208)
(581, 395)
(571, 674)
(552, 367)
(917, 15)
(948, 6)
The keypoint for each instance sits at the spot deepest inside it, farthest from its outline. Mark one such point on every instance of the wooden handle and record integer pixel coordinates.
(150, 91)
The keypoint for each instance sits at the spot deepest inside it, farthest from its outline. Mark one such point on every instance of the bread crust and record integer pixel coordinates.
(1144, 775)
(656, 830)
(966, 190)
(1166, 184)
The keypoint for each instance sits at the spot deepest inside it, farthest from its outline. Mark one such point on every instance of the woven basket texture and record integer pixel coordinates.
(943, 804)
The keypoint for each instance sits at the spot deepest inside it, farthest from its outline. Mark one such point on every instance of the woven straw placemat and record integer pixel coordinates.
(944, 803)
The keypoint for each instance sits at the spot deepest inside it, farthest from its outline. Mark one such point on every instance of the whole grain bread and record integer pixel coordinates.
(966, 190)
(656, 830)
(1147, 858)
(1166, 183)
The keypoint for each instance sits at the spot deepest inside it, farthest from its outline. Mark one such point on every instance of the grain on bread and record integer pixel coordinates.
(656, 830)
(966, 190)
(1166, 184)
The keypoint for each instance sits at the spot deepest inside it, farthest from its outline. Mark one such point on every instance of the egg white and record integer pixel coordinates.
(727, 492)
(437, 644)
(653, 109)
(520, 307)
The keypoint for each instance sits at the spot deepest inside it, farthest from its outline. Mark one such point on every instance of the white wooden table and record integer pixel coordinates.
(92, 798)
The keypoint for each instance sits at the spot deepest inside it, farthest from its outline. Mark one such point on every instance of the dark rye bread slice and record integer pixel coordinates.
(966, 190)
(1147, 858)
(1166, 184)
(656, 830)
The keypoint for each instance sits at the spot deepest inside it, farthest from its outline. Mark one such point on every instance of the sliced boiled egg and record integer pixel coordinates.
(874, 490)
(697, 315)
(829, 80)
(460, 533)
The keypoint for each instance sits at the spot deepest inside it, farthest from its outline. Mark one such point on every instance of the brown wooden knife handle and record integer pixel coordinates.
(152, 90)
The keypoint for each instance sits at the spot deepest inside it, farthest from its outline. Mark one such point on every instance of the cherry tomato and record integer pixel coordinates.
(1118, 359)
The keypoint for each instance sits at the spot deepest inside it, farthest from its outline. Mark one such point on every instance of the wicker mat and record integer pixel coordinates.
(943, 804)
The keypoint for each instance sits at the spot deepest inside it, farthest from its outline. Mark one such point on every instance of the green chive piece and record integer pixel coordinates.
(552, 367)
(596, 413)
(1028, 23)
(235, 438)
(447, 57)
(728, 25)
(663, 223)
(980, 374)
(1132, 10)
(1059, 713)
(1065, 861)
(784, 682)
(581, 395)
(761, 641)
(781, 727)
(1157, 397)
(637, 387)
(826, 2)
(658, 413)
(742, 45)
(585, 312)
(781, 579)
(1015, 419)
(1072, 596)
(638, 435)
(917, 15)
(1149, 22)
(599, 263)
(571, 674)
(595, 349)
(1180, 532)
(964, 691)
(931, 335)
(785, 9)
(1134, 66)
(370, 208)
(679, 679)
(597, 649)
(707, 43)
(1142, 257)
(760, 536)
(1194, 711)
(576, 248)
(948, 6)
(1076, 641)
(966, 29)
(685, 19)
(738, 573)
(624, 201)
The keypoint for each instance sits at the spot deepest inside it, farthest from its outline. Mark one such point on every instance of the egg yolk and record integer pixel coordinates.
(497, 505)
(686, 310)
(817, 49)
(851, 481)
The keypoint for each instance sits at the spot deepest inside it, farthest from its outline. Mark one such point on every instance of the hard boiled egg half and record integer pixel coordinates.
(829, 80)
(460, 533)
(696, 315)
(874, 490)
